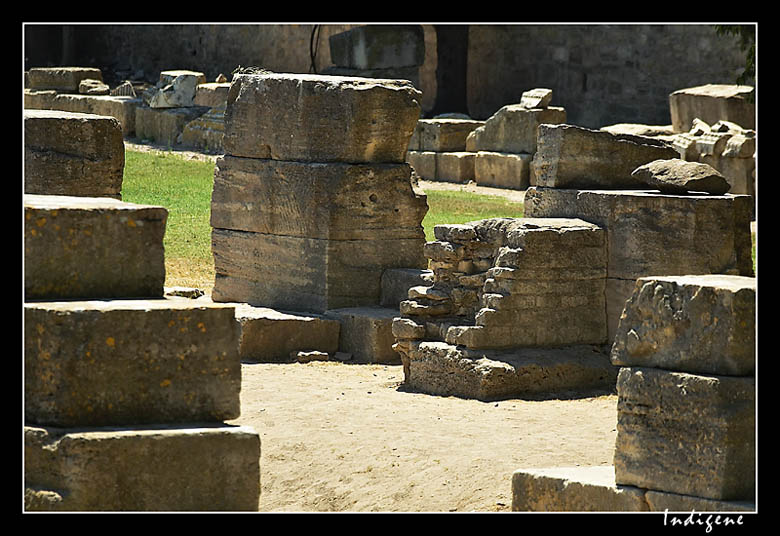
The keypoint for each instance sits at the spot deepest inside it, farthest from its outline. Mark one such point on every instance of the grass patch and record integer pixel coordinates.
(452, 206)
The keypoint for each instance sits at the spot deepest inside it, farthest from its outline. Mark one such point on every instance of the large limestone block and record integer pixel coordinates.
(117, 362)
(573, 489)
(443, 369)
(271, 336)
(305, 274)
(455, 166)
(569, 156)
(366, 333)
(378, 46)
(40, 99)
(513, 128)
(423, 163)
(165, 125)
(122, 108)
(72, 154)
(700, 324)
(318, 118)
(156, 468)
(316, 200)
(65, 79)
(503, 170)
(175, 89)
(205, 132)
(211, 94)
(685, 433)
(92, 248)
(712, 103)
(442, 134)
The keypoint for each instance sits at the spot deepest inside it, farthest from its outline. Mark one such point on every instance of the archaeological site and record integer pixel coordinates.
(628, 280)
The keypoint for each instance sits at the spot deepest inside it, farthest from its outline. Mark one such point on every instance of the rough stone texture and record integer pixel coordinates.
(503, 170)
(685, 433)
(410, 73)
(378, 46)
(122, 108)
(455, 166)
(89, 86)
(711, 103)
(174, 89)
(297, 117)
(271, 336)
(396, 283)
(660, 501)
(119, 362)
(65, 79)
(315, 200)
(699, 324)
(40, 99)
(72, 154)
(677, 176)
(70, 248)
(573, 489)
(536, 98)
(366, 333)
(444, 369)
(211, 94)
(513, 128)
(569, 156)
(423, 163)
(165, 125)
(206, 132)
(159, 468)
(442, 134)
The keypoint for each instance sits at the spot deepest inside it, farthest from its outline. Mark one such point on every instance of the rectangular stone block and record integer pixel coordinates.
(686, 433)
(298, 117)
(699, 324)
(70, 248)
(314, 200)
(442, 134)
(122, 108)
(271, 336)
(455, 167)
(569, 156)
(305, 274)
(396, 283)
(712, 103)
(154, 468)
(513, 128)
(503, 170)
(423, 163)
(377, 46)
(366, 333)
(72, 154)
(61, 78)
(122, 362)
(205, 132)
(41, 99)
(211, 94)
(164, 125)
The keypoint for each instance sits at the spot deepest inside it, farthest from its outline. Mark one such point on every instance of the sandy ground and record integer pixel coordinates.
(340, 437)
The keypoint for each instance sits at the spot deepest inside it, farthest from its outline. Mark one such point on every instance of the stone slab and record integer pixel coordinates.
(514, 128)
(503, 170)
(699, 324)
(70, 248)
(366, 333)
(61, 78)
(689, 434)
(206, 132)
(122, 108)
(712, 103)
(377, 46)
(297, 117)
(211, 94)
(69, 153)
(165, 125)
(442, 134)
(189, 467)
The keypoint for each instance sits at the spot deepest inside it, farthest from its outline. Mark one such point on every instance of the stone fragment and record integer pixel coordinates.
(64, 79)
(712, 103)
(536, 98)
(308, 357)
(297, 117)
(153, 468)
(686, 433)
(122, 362)
(405, 328)
(175, 89)
(677, 176)
(70, 248)
(72, 154)
(367, 333)
(513, 128)
(89, 86)
(568, 156)
(378, 46)
(698, 324)
(442, 134)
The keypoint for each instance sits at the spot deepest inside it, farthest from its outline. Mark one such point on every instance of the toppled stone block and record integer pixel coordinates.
(70, 248)
(72, 154)
(568, 156)
(271, 336)
(699, 441)
(396, 283)
(175, 89)
(63, 79)
(123, 362)
(366, 333)
(378, 46)
(536, 98)
(677, 176)
(712, 103)
(698, 324)
(442, 134)
(165, 125)
(89, 86)
(297, 117)
(513, 129)
(503, 170)
(156, 468)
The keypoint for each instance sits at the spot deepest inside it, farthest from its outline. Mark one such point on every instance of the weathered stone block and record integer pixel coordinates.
(677, 176)
(396, 283)
(159, 468)
(316, 200)
(61, 78)
(211, 94)
(72, 154)
(40, 99)
(175, 89)
(513, 128)
(712, 103)
(205, 132)
(298, 117)
(455, 166)
(685, 433)
(70, 248)
(503, 170)
(366, 333)
(271, 336)
(423, 163)
(442, 134)
(122, 108)
(123, 362)
(569, 156)
(378, 46)
(699, 324)
(165, 125)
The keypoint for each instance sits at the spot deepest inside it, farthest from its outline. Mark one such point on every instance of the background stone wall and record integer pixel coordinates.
(602, 74)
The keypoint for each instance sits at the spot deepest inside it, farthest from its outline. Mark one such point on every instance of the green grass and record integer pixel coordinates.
(184, 188)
